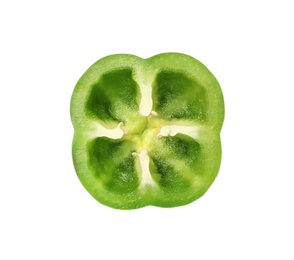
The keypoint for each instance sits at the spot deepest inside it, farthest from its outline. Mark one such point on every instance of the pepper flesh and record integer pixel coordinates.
(147, 131)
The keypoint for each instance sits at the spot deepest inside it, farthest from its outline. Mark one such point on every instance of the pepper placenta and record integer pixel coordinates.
(147, 131)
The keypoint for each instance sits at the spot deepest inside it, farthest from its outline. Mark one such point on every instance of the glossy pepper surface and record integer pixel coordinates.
(147, 131)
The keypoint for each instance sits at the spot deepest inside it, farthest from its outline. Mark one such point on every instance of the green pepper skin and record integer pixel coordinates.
(147, 131)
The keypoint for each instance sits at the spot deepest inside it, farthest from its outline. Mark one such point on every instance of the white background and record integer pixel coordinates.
(47, 45)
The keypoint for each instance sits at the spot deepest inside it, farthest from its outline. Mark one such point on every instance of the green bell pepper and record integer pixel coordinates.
(147, 131)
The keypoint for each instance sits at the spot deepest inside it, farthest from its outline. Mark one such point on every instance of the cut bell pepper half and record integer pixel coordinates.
(147, 131)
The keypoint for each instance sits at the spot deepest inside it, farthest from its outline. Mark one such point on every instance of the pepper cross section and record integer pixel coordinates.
(147, 131)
